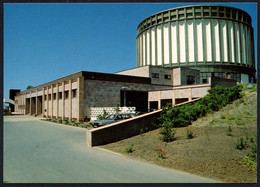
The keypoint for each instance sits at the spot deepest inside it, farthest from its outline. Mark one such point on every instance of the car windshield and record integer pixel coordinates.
(111, 117)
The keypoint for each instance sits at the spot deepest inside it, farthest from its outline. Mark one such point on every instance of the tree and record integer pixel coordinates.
(28, 87)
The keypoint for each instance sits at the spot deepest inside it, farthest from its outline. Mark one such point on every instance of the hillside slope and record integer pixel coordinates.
(212, 151)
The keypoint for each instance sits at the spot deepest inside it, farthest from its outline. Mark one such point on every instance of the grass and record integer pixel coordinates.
(212, 152)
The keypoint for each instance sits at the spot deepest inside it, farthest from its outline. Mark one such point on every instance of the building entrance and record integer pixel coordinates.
(136, 99)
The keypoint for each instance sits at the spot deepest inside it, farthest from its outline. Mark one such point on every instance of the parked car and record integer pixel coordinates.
(112, 119)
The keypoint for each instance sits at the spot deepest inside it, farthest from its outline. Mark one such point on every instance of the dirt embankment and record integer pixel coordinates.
(212, 152)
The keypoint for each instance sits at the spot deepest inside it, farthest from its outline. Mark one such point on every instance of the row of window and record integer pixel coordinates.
(204, 76)
(66, 95)
(156, 75)
(224, 12)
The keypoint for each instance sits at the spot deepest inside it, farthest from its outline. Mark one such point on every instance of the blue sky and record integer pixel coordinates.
(43, 42)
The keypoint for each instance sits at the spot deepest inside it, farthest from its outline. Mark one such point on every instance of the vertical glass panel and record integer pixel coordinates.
(159, 45)
(174, 42)
(191, 40)
(199, 40)
(153, 60)
(182, 41)
(166, 43)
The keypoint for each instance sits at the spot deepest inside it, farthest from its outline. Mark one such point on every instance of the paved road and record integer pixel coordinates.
(43, 152)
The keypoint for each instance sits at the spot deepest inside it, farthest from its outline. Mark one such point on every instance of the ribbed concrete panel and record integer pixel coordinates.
(148, 47)
(144, 49)
(159, 45)
(231, 41)
(182, 41)
(191, 40)
(237, 33)
(141, 50)
(208, 40)
(199, 40)
(166, 48)
(215, 34)
(174, 42)
(224, 41)
(153, 47)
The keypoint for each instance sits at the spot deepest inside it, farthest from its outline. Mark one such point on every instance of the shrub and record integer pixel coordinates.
(250, 159)
(130, 149)
(102, 116)
(190, 134)
(59, 121)
(168, 134)
(229, 131)
(161, 153)
(183, 115)
(241, 144)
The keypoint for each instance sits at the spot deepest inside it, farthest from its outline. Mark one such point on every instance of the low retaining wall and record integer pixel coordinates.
(123, 129)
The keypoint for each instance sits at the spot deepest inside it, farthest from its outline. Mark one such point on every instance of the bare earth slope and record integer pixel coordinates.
(212, 152)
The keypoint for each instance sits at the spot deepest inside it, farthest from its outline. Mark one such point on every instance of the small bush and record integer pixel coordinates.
(130, 149)
(229, 131)
(241, 144)
(59, 121)
(190, 134)
(168, 134)
(102, 116)
(161, 153)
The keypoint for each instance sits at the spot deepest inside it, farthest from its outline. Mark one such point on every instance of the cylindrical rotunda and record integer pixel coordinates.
(217, 40)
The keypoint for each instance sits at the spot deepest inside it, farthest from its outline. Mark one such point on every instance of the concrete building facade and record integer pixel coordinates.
(217, 40)
(75, 96)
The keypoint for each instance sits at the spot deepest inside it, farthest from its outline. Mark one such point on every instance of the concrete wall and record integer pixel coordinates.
(123, 129)
(140, 72)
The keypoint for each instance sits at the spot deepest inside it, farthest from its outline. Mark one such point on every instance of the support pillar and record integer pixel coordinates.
(63, 101)
(70, 102)
(159, 99)
(80, 99)
(190, 94)
(57, 101)
(173, 97)
(43, 104)
(47, 99)
(51, 101)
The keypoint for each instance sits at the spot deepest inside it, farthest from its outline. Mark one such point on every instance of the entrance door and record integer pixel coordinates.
(136, 99)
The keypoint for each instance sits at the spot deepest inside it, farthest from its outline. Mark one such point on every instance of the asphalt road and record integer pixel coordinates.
(44, 152)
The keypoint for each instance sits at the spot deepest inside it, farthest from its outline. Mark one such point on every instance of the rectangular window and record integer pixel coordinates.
(66, 94)
(45, 97)
(49, 96)
(54, 96)
(155, 75)
(190, 79)
(60, 95)
(168, 77)
(74, 93)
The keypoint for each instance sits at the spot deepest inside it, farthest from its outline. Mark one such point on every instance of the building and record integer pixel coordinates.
(217, 40)
(181, 54)
(83, 95)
